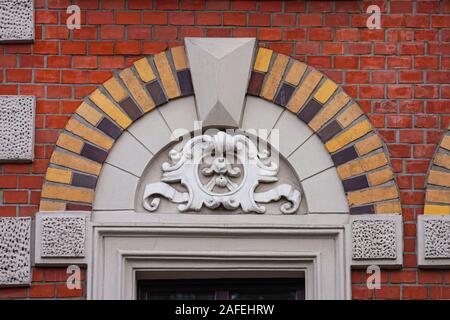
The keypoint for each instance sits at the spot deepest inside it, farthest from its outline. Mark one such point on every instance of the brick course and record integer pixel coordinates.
(399, 75)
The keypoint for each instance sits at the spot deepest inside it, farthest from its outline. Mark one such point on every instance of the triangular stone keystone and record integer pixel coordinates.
(220, 69)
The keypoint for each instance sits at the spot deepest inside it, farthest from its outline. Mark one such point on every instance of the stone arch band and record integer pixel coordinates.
(356, 150)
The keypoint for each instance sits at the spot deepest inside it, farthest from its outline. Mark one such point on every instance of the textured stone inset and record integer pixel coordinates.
(16, 20)
(63, 236)
(15, 251)
(373, 239)
(17, 128)
(437, 239)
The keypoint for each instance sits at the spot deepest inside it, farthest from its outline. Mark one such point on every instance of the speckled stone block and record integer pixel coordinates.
(437, 239)
(15, 251)
(63, 236)
(376, 239)
(433, 241)
(17, 115)
(16, 20)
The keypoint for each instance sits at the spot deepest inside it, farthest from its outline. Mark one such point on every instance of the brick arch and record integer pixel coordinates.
(437, 199)
(357, 151)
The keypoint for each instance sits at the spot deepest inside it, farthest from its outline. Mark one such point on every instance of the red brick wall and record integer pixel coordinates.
(48, 283)
(400, 75)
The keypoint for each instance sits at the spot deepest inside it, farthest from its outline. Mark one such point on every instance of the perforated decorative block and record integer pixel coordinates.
(16, 20)
(433, 241)
(63, 236)
(17, 128)
(15, 251)
(376, 239)
(437, 239)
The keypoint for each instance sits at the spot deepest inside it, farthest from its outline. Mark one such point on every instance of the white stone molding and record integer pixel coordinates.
(220, 171)
(17, 114)
(116, 189)
(324, 193)
(220, 70)
(433, 241)
(15, 241)
(61, 238)
(260, 123)
(16, 20)
(376, 240)
(168, 245)
(129, 154)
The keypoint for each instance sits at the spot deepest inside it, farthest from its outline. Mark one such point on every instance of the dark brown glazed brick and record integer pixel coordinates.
(157, 93)
(131, 108)
(84, 180)
(344, 156)
(284, 94)
(185, 82)
(109, 128)
(255, 85)
(94, 153)
(309, 111)
(78, 207)
(356, 183)
(362, 210)
(329, 131)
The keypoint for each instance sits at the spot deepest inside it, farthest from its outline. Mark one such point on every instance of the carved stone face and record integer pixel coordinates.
(220, 174)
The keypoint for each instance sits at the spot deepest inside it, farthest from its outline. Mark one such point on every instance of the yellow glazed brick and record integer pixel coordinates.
(89, 114)
(67, 193)
(442, 160)
(372, 142)
(274, 78)
(372, 195)
(295, 73)
(439, 178)
(262, 60)
(381, 176)
(436, 209)
(110, 109)
(304, 91)
(144, 70)
(89, 134)
(69, 143)
(349, 115)
(142, 98)
(52, 206)
(166, 75)
(329, 110)
(358, 166)
(438, 195)
(74, 162)
(325, 91)
(356, 131)
(115, 89)
(446, 143)
(388, 207)
(179, 58)
(58, 175)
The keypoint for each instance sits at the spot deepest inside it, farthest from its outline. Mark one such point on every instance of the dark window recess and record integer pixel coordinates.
(223, 289)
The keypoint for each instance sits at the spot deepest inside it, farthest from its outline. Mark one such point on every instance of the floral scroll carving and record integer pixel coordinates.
(221, 170)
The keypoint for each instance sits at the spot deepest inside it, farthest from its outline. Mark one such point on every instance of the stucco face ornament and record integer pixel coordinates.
(220, 170)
